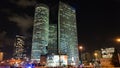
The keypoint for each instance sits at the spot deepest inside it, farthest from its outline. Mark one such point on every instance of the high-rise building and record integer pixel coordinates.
(40, 32)
(60, 38)
(67, 33)
(19, 50)
(52, 45)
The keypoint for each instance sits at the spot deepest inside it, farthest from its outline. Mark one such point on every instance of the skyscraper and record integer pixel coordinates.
(67, 33)
(40, 32)
(60, 38)
(52, 46)
(19, 50)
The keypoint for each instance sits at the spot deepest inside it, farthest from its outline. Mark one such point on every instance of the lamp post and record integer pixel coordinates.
(81, 48)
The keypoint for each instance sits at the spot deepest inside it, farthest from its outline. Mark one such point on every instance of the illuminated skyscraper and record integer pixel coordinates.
(19, 47)
(67, 33)
(52, 46)
(59, 38)
(40, 32)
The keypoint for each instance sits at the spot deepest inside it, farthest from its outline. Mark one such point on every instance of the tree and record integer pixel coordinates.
(115, 59)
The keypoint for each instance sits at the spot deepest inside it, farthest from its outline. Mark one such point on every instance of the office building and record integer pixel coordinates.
(52, 45)
(40, 32)
(67, 33)
(59, 38)
(19, 50)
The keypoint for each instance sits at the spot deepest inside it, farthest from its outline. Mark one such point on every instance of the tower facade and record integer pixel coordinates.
(19, 50)
(67, 33)
(59, 38)
(40, 32)
(52, 46)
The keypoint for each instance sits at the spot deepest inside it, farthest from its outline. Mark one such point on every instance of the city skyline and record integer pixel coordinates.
(97, 21)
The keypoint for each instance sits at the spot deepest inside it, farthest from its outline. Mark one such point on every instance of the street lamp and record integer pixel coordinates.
(95, 54)
(118, 39)
(81, 48)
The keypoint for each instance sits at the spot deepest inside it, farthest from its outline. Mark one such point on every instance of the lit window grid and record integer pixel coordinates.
(40, 31)
(68, 32)
(19, 47)
(52, 46)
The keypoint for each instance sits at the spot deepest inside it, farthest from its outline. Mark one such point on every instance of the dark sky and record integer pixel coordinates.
(98, 21)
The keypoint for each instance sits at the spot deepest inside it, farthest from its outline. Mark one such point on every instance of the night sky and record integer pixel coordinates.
(98, 21)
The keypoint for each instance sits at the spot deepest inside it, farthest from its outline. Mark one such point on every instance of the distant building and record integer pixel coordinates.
(110, 57)
(59, 38)
(107, 52)
(19, 50)
(1, 56)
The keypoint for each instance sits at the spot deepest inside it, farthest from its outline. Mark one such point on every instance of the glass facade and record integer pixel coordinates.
(40, 32)
(52, 46)
(59, 38)
(67, 33)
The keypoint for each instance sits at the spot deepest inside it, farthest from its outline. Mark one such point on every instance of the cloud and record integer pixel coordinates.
(24, 3)
(23, 22)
